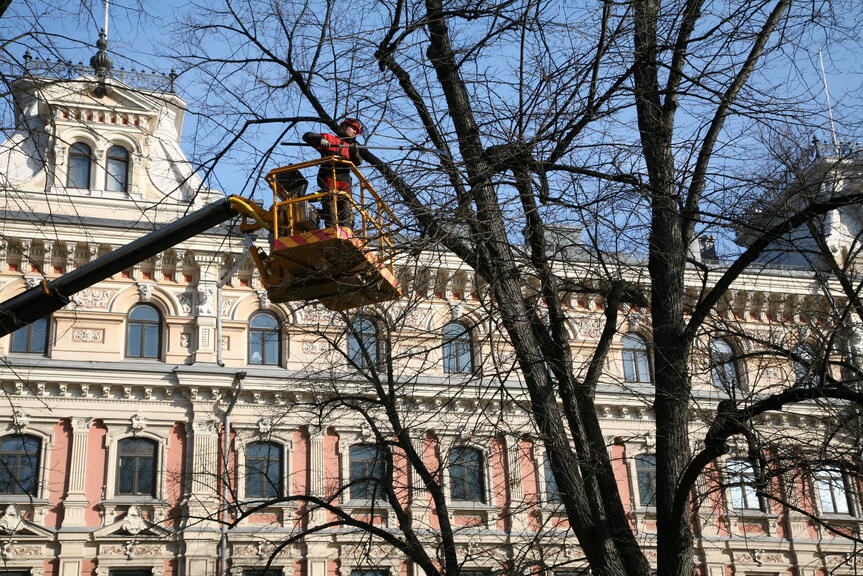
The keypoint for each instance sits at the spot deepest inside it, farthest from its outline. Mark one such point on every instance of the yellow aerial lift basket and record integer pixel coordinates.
(345, 262)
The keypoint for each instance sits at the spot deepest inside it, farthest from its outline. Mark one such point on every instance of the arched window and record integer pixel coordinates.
(80, 163)
(117, 169)
(264, 339)
(457, 349)
(32, 338)
(363, 342)
(645, 474)
(136, 467)
(636, 364)
(741, 480)
(466, 474)
(832, 491)
(264, 470)
(144, 332)
(19, 464)
(367, 468)
(723, 370)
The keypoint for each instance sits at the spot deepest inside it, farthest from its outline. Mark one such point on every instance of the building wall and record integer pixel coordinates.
(82, 397)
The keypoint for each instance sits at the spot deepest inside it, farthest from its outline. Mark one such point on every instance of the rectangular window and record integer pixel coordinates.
(741, 480)
(832, 492)
(645, 472)
(552, 494)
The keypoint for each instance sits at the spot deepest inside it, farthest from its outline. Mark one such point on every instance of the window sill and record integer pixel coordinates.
(136, 500)
(839, 516)
(751, 514)
(22, 499)
(470, 506)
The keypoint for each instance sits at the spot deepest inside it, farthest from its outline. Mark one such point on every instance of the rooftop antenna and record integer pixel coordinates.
(100, 61)
(829, 105)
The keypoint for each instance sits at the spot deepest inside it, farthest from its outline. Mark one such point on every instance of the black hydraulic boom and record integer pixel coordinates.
(49, 296)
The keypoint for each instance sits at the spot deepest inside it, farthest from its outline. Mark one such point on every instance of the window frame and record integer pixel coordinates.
(648, 473)
(266, 332)
(37, 459)
(551, 494)
(636, 359)
(278, 487)
(142, 324)
(122, 187)
(27, 332)
(724, 371)
(364, 489)
(76, 157)
(807, 376)
(741, 486)
(827, 477)
(463, 483)
(453, 350)
(155, 475)
(356, 342)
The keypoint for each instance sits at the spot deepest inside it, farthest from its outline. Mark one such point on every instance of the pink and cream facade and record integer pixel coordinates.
(117, 409)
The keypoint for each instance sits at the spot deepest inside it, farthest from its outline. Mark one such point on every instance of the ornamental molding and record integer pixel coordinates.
(138, 424)
(81, 425)
(263, 299)
(185, 299)
(20, 419)
(88, 335)
(133, 522)
(315, 314)
(204, 427)
(206, 297)
(145, 291)
(93, 298)
(11, 520)
(130, 549)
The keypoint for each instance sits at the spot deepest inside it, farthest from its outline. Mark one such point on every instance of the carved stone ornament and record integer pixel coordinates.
(40, 571)
(185, 338)
(145, 291)
(11, 520)
(263, 299)
(20, 419)
(93, 298)
(204, 427)
(102, 571)
(88, 335)
(157, 571)
(185, 299)
(138, 423)
(32, 281)
(81, 425)
(206, 297)
(133, 522)
(265, 425)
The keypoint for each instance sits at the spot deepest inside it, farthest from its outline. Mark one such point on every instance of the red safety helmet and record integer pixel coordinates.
(353, 123)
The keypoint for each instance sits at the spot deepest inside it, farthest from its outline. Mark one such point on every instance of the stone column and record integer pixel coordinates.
(316, 473)
(76, 499)
(420, 503)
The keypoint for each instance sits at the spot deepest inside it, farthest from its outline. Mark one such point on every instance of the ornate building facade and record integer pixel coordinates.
(119, 409)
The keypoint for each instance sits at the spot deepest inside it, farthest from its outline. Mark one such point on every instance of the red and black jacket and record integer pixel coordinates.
(332, 145)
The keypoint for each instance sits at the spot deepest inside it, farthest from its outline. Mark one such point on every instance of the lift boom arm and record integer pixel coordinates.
(49, 296)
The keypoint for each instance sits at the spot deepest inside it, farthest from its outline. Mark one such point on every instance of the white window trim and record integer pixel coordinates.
(45, 434)
(246, 437)
(111, 445)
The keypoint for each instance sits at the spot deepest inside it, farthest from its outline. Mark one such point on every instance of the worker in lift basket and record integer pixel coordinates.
(344, 144)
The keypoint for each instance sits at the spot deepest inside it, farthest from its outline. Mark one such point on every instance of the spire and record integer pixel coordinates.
(101, 63)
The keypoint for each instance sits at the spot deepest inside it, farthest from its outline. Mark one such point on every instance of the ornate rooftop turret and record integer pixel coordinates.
(101, 63)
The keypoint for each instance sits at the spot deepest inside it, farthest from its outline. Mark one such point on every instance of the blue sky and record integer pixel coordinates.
(141, 34)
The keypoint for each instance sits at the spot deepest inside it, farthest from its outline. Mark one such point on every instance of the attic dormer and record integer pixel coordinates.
(90, 132)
